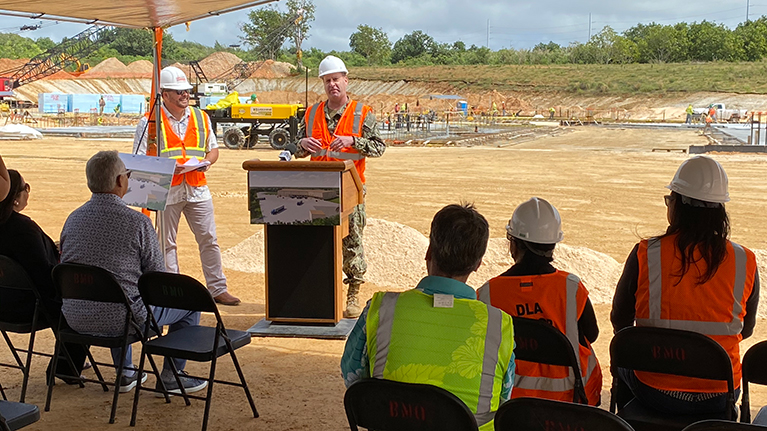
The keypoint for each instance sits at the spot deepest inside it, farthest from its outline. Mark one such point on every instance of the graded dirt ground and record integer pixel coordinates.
(607, 183)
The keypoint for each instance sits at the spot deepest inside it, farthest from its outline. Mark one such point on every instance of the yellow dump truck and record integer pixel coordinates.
(278, 122)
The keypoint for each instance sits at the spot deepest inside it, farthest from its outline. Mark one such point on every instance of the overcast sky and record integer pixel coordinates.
(502, 24)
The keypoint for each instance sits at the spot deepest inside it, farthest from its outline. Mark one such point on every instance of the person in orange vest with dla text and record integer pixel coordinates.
(532, 288)
(343, 129)
(186, 133)
(690, 278)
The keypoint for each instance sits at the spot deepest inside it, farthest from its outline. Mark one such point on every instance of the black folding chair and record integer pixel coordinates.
(194, 343)
(668, 351)
(535, 414)
(90, 283)
(14, 278)
(15, 416)
(754, 371)
(538, 341)
(386, 405)
(715, 425)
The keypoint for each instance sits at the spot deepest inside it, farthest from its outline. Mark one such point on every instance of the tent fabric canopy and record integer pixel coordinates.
(125, 13)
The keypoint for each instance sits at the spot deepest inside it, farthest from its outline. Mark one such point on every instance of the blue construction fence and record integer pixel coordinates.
(53, 103)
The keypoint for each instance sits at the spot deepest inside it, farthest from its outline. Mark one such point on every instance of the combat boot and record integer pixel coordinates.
(353, 308)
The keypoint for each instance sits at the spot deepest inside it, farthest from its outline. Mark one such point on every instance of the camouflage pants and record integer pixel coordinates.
(354, 264)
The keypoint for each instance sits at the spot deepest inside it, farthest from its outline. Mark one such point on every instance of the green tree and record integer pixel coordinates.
(660, 43)
(15, 46)
(262, 32)
(709, 42)
(371, 43)
(304, 10)
(752, 39)
(45, 43)
(411, 45)
(137, 42)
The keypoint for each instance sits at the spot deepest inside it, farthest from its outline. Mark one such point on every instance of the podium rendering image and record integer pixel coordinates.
(305, 208)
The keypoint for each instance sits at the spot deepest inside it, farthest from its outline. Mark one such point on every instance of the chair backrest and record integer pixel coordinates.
(165, 289)
(670, 351)
(718, 425)
(754, 371)
(538, 341)
(385, 405)
(13, 276)
(534, 414)
(87, 282)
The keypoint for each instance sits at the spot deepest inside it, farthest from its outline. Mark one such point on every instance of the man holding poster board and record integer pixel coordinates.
(186, 135)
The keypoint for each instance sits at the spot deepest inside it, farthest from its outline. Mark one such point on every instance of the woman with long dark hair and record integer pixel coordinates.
(692, 278)
(22, 240)
(533, 288)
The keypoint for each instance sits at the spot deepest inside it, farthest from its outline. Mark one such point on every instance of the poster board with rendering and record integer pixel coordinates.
(298, 198)
(150, 180)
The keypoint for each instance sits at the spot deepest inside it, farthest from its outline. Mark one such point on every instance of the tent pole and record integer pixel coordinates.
(153, 134)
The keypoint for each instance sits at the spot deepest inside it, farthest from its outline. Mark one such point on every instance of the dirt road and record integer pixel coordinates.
(608, 184)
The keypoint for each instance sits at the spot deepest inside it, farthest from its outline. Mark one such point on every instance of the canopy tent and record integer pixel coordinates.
(125, 13)
(151, 14)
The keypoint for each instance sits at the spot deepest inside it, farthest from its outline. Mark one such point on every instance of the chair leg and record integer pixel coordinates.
(158, 373)
(95, 369)
(2, 392)
(52, 377)
(178, 381)
(242, 380)
(209, 396)
(118, 375)
(28, 364)
(138, 389)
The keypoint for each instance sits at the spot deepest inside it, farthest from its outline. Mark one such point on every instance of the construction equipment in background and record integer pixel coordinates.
(59, 57)
(278, 122)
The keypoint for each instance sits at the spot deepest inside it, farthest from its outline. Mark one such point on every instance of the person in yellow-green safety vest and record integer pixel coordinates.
(438, 333)
(689, 111)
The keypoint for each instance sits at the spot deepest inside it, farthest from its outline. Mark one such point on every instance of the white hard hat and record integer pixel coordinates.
(701, 178)
(536, 221)
(332, 64)
(172, 78)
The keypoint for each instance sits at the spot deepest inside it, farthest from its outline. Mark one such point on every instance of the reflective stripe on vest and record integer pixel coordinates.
(310, 120)
(733, 327)
(198, 119)
(339, 155)
(356, 125)
(493, 339)
(571, 322)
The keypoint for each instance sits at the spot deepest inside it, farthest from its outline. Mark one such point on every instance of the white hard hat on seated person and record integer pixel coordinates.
(536, 221)
(701, 178)
(172, 78)
(332, 64)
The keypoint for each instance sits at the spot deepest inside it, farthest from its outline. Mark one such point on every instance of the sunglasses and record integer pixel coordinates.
(668, 199)
(27, 187)
(178, 92)
(127, 173)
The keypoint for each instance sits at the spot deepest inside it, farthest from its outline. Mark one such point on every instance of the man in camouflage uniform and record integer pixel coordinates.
(337, 144)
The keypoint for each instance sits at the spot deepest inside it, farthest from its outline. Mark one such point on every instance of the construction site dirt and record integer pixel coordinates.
(607, 183)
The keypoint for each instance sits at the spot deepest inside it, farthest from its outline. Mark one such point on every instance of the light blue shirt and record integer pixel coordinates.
(355, 364)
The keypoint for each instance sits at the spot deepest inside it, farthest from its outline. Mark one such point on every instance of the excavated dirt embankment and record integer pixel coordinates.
(395, 256)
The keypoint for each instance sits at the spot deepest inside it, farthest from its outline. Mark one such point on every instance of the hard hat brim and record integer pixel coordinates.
(176, 87)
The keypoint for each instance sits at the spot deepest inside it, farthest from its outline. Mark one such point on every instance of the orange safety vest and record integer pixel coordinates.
(559, 298)
(715, 308)
(194, 144)
(350, 124)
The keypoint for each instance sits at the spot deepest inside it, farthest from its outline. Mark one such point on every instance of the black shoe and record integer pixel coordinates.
(128, 383)
(190, 384)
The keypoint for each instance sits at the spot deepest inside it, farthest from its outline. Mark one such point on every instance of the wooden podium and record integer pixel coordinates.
(305, 208)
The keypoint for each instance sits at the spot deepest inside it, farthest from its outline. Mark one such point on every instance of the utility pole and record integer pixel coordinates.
(589, 29)
(487, 42)
(748, 4)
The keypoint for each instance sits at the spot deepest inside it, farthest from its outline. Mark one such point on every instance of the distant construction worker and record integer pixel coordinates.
(712, 113)
(117, 110)
(689, 112)
(438, 333)
(253, 98)
(186, 133)
(102, 104)
(707, 119)
(336, 130)
(552, 111)
(691, 278)
(532, 288)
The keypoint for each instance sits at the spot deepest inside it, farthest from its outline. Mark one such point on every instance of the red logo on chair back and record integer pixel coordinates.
(526, 343)
(82, 278)
(550, 425)
(668, 352)
(407, 411)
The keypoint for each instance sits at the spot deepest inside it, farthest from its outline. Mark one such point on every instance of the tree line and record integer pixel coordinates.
(270, 33)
